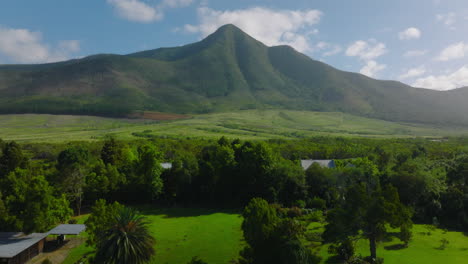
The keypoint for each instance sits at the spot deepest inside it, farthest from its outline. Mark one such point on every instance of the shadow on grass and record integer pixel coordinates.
(333, 260)
(396, 247)
(390, 236)
(183, 211)
(53, 245)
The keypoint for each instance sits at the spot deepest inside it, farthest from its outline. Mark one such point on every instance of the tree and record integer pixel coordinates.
(366, 213)
(30, 204)
(103, 180)
(72, 164)
(112, 152)
(11, 158)
(272, 239)
(147, 182)
(101, 218)
(127, 240)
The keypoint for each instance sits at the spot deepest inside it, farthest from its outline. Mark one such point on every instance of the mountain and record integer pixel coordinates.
(228, 70)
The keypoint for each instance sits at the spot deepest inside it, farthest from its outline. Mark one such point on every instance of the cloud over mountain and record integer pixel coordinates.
(272, 27)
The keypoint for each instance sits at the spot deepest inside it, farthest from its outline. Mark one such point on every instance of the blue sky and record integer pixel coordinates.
(420, 42)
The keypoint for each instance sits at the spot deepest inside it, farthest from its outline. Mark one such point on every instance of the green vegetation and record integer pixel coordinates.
(227, 71)
(182, 233)
(186, 232)
(423, 248)
(247, 124)
(378, 185)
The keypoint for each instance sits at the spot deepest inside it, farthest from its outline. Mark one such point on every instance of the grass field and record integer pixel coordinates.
(181, 234)
(248, 124)
(425, 247)
(216, 237)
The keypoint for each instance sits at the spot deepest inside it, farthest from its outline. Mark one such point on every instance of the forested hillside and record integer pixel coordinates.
(227, 71)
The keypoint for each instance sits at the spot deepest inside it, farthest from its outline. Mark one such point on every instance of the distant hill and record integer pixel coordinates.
(229, 70)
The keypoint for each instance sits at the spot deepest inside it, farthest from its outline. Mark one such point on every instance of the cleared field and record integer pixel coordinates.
(425, 247)
(216, 237)
(181, 234)
(248, 124)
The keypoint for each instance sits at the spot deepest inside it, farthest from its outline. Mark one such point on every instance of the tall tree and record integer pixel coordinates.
(112, 151)
(367, 212)
(272, 239)
(12, 157)
(101, 218)
(147, 180)
(73, 166)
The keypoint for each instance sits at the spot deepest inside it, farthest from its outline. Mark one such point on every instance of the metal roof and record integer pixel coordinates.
(67, 230)
(323, 163)
(12, 244)
(166, 165)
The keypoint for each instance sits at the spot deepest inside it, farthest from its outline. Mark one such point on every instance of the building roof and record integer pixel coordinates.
(67, 230)
(166, 165)
(12, 244)
(323, 163)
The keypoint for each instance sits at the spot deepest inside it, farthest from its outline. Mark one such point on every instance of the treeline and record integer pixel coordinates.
(430, 177)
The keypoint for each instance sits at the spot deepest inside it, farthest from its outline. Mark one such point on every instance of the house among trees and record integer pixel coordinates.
(18, 248)
(166, 165)
(322, 163)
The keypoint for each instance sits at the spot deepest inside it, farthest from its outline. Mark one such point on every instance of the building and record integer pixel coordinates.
(166, 165)
(323, 163)
(17, 248)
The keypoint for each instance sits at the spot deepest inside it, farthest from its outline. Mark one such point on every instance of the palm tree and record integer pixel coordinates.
(127, 241)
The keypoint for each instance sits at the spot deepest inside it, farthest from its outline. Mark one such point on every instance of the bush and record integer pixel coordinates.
(196, 260)
(72, 221)
(344, 250)
(317, 203)
(46, 261)
(300, 204)
(294, 212)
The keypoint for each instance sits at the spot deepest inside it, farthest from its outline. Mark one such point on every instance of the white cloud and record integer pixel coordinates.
(328, 49)
(410, 33)
(70, 45)
(25, 46)
(447, 19)
(139, 11)
(135, 10)
(415, 53)
(412, 73)
(366, 50)
(177, 3)
(372, 68)
(454, 51)
(272, 27)
(449, 81)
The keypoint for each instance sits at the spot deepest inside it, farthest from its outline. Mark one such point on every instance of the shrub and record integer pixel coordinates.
(46, 261)
(196, 260)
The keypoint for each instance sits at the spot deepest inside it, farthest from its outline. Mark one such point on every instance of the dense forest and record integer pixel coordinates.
(377, 182)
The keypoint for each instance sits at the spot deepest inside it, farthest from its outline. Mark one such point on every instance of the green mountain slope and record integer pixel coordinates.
(227, 71)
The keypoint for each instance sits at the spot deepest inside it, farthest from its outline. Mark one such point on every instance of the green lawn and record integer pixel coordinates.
(216, 237)
(247, 124)
(424, 248)
(181, 234)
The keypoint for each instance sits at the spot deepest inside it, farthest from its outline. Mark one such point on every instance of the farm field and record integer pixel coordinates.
(216, 237)
(247, 124)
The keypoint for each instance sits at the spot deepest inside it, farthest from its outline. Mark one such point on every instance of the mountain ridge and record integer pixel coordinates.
(229, 70)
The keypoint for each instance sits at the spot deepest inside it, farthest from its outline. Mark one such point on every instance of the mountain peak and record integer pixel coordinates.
(229, 28)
